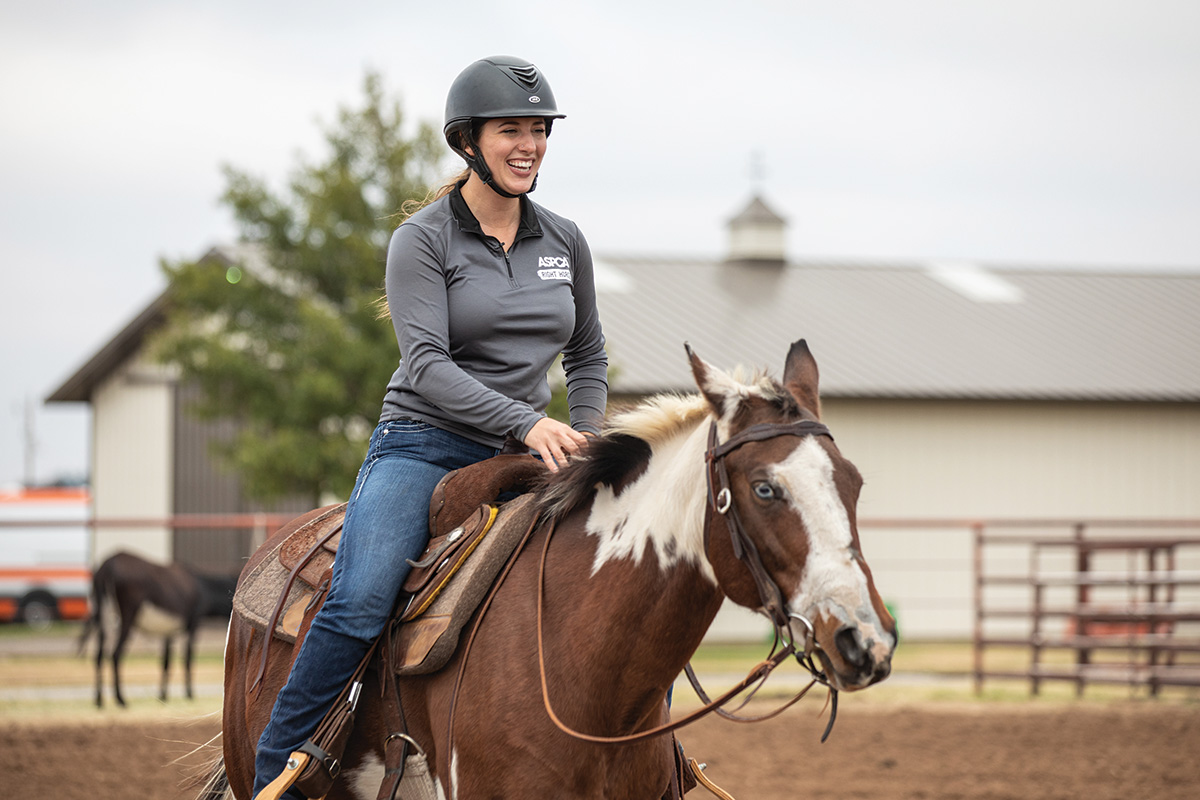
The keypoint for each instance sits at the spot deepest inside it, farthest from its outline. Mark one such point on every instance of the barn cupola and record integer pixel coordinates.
(756, 236)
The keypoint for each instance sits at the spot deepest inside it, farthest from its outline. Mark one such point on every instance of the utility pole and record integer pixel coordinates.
(758, 172)
(30, 444)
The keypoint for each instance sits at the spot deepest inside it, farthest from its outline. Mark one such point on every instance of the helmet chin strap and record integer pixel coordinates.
(480, 168)
(485, 175)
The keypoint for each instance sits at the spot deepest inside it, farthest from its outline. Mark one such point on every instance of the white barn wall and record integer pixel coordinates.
(131, 460)
(994, 459)
(972, 460)
(977, 460)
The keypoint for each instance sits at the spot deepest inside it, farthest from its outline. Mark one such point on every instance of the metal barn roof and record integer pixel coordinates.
(938, 330)
(890, 330)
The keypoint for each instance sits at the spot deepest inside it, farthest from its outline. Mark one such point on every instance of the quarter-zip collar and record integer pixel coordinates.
(529, 225)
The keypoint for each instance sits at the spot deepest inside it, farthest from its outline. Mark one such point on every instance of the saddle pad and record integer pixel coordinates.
(418, 782)
(425, 644)
(258, 593)
(460, 493)
(299, 544)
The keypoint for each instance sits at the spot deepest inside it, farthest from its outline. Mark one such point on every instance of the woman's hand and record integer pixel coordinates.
(554, 441)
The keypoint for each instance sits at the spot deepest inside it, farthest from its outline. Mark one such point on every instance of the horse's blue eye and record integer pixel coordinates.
(764, 491)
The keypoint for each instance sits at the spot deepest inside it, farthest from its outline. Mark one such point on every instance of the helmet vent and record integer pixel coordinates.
(527, 76)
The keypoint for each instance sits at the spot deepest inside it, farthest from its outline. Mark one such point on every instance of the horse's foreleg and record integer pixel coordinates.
(166, 667)
(117, 653)
(189, 647)
(100, 664)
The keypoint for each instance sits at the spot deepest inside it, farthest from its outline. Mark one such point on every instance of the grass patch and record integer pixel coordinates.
(36, 671)
(941, 658)
(19, 631)
(40, 683)
(931, 672)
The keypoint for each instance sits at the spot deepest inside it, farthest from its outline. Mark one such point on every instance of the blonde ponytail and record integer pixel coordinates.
(407, 209)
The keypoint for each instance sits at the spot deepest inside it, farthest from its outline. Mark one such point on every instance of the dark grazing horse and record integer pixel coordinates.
(737, 492)
(130, 592)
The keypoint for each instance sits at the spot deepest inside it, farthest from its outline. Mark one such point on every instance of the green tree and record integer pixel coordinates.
(285, 339)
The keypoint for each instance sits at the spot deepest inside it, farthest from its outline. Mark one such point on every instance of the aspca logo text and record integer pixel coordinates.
(554, 268)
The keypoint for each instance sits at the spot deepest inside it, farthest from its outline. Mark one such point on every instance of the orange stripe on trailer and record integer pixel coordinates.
(45, 573)
(73, 607)
(44, 495)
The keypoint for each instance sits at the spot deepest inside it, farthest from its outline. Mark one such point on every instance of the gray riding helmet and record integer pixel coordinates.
(495, 88)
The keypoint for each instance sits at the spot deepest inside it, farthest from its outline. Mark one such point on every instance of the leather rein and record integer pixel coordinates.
(774, 605)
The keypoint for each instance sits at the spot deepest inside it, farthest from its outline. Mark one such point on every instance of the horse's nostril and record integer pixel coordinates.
(849, 644)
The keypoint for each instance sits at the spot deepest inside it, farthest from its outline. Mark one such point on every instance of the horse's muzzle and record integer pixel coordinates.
(864, 661)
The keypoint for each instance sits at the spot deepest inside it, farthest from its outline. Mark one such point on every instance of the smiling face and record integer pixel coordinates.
(513, 150)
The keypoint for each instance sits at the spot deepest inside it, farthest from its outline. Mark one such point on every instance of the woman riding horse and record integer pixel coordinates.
(485, 289)
(559, 688)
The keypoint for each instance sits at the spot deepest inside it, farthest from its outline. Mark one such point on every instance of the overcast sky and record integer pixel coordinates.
(1057, 133)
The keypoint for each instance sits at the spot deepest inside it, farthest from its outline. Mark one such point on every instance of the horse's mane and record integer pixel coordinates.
(624, 448)
(660, 417)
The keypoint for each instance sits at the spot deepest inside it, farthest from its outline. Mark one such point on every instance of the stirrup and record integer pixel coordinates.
(274, 790)
(702, 779)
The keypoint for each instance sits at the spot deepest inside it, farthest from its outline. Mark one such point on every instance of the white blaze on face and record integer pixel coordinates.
(833, 583)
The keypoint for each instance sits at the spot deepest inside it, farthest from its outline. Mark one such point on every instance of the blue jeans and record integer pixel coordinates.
(387, 521)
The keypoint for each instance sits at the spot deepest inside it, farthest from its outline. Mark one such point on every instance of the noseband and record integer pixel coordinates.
(720, 500)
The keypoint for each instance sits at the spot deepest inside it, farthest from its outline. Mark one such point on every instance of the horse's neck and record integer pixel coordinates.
(660, 515)
(648, 565)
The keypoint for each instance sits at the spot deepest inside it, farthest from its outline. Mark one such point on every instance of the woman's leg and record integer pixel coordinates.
(387, 521)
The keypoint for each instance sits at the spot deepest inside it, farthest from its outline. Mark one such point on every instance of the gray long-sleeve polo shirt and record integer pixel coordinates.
(479, 328)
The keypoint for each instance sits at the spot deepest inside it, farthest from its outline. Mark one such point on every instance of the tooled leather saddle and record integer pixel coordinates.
(470, 540)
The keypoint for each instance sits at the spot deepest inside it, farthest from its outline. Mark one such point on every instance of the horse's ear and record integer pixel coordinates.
(801, 378)
(718, 389)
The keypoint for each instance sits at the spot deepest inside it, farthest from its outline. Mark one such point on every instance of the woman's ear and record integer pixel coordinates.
(463, 143)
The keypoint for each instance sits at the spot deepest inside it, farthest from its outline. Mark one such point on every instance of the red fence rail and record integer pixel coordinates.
(1126, 589)
(1060, 580)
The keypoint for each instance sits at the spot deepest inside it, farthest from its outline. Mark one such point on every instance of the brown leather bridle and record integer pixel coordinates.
(720, 500)
(774, 604)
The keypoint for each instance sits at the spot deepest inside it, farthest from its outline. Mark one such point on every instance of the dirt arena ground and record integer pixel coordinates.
(986, 752)
(915, 736)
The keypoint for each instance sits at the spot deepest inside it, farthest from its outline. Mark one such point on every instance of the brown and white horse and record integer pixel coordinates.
(644, 550)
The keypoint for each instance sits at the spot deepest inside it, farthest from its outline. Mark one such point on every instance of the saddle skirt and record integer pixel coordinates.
(472, 539)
